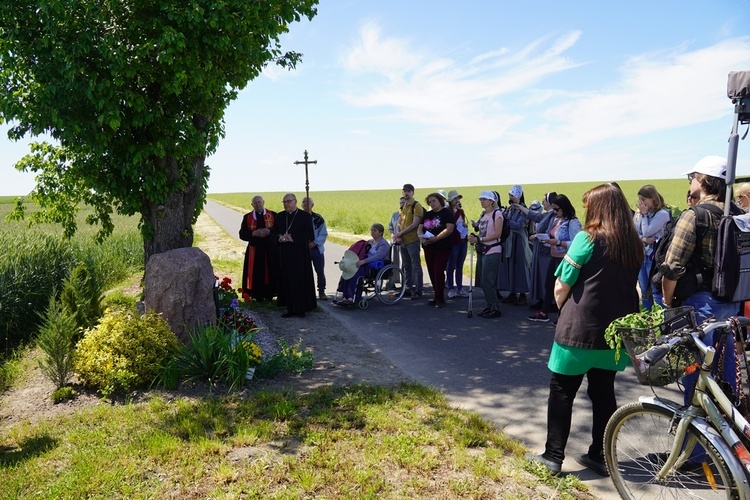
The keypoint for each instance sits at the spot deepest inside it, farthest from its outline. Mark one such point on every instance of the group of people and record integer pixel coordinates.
(596, 283)
(589, 272)
(283, 248)
(521, 263)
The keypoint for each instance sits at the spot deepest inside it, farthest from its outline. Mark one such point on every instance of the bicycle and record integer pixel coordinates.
(648, 444)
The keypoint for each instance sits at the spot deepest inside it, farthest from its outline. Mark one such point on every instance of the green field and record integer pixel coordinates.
(354, 211)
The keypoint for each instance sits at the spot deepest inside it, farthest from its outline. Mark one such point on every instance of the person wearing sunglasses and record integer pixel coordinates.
(565, 227)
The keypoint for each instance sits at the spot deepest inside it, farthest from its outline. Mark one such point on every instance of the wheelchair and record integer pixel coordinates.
(385, 283)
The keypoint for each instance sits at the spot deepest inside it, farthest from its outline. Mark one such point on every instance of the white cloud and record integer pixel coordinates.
(654, 93)
(501, 100)
(454, 101)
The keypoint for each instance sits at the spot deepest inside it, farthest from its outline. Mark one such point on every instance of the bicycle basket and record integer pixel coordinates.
(671, 368)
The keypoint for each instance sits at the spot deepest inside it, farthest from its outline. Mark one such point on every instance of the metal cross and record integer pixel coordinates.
(307, 162)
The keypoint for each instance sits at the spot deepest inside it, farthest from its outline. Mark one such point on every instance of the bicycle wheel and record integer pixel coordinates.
(636, 444)
(389, 284)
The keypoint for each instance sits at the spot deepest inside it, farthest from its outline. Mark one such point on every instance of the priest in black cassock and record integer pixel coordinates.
(293, 229)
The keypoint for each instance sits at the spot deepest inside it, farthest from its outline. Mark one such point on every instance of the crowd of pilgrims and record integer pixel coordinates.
(520, 271)
(549, 261)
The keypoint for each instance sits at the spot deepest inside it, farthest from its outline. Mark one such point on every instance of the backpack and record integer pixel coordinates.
(698, 275)
(361, 248)
(731, 280)
(504, 233)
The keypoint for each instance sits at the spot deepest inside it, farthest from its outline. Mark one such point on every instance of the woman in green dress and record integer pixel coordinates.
(596, 283)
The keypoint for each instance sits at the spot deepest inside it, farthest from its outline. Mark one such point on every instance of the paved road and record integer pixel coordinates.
(496, 367)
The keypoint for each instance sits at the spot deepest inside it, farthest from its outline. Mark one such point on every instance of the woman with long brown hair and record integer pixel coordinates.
(596, 283)
(650, 220)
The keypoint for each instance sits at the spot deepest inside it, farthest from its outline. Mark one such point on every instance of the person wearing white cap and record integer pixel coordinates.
(490, 230)
(515, 266)
(680, 277)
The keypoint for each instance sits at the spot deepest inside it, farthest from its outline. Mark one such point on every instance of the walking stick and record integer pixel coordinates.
(471, 281)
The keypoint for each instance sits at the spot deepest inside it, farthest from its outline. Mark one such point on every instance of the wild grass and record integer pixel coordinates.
(353, 212)
(37, 259)
(358, 441)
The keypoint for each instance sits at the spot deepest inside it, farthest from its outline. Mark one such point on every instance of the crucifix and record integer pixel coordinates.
(307, 162)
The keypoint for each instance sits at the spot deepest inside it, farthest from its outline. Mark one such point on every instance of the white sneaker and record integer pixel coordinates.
(463, 293)
(451, 293)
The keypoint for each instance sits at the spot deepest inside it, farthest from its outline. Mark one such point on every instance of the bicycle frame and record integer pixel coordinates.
(715, 427)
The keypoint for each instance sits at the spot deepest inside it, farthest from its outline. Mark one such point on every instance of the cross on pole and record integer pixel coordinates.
(307, 162)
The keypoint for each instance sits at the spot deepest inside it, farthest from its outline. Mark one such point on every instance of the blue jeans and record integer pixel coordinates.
(456, 265)
(705, 305)
(412, 266)
(319, 263)
(645, 283)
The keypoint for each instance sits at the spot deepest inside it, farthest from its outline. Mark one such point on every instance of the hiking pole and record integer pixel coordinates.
(471, 281)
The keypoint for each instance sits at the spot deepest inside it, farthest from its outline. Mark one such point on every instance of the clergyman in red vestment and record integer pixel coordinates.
(259, 270)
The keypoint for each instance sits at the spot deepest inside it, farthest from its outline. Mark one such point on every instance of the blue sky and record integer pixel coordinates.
(449, 94)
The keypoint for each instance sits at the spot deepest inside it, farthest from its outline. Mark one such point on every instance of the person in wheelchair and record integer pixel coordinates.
(379, 250)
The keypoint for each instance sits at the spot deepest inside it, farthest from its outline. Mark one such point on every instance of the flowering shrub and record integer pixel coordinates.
(235, 320)
(226, 295)
(123, 351)
(252, 350)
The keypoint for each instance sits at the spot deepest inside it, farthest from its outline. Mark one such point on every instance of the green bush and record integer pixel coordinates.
(56, 339)
(81, 297)
(212, 354)
(124, 351)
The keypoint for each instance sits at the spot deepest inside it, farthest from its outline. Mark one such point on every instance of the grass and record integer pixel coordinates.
(358, 441)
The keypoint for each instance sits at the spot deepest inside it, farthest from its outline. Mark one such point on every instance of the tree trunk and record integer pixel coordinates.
(171, 223)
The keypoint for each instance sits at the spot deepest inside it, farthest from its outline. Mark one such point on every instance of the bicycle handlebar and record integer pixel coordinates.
(694, 336)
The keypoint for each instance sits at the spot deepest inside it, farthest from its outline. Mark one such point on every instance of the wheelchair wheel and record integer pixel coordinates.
(389, 284)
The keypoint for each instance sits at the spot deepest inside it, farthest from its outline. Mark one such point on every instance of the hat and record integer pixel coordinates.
(715, 166)
(408, 187)
(441, 192)
(348, 264)
(453, 195)
(488, 194)
(535, 206)
(516, 191)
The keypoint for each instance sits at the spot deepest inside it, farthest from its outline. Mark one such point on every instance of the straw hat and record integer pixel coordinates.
(348, 264)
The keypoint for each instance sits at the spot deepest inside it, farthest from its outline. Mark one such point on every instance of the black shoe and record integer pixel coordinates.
(431, 302)
(554, 468)
(598, 467)
(509, 299)
(416, 296)
(520, 301)
(293, 315)
(439, 305)
(494, 313)
(484, 311)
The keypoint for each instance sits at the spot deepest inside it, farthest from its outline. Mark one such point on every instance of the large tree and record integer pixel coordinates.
(134, 93)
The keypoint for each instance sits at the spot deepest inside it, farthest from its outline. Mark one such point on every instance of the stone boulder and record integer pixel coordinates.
(179, 284)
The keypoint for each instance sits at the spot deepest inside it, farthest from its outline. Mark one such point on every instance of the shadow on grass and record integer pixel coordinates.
(27, 449)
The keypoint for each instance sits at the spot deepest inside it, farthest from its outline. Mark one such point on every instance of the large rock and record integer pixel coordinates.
(179, 284)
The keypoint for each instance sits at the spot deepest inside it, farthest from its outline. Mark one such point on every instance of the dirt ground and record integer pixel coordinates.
(340, 357)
